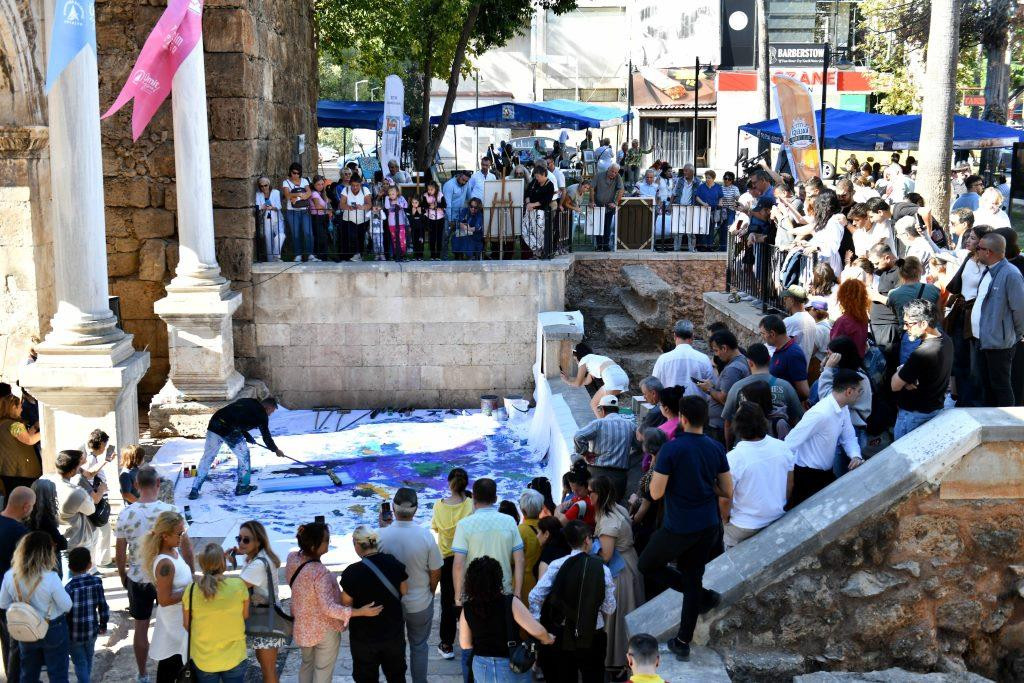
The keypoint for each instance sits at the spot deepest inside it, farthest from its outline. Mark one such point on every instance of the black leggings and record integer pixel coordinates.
(436, 230)
(167, 670)
(449, 610)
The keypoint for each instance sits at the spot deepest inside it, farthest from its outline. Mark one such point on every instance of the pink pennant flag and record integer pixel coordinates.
(171, 41)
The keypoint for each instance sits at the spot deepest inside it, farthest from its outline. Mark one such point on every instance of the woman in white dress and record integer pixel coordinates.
(593, 366)
(171, 575)
(268, 203)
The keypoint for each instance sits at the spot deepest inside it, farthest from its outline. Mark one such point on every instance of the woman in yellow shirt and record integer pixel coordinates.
(447, 513)
(216, 608)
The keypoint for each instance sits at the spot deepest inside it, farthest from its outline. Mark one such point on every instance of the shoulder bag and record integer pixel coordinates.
(187, 674)
(522, 654)
(269, 621)
(298, 203)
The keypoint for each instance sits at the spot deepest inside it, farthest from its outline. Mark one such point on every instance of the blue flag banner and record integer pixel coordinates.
(74, 27)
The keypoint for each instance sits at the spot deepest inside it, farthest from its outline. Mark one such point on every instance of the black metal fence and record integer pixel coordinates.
(759, 272)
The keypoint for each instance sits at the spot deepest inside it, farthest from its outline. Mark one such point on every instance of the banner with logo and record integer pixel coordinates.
(799, 129)
(393, 121)
(177, 32)
(74, 27)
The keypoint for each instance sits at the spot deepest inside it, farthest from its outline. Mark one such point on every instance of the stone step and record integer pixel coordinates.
(890, 676)
(638, 365)
(620, 331)
(705, 666)
(646, 297)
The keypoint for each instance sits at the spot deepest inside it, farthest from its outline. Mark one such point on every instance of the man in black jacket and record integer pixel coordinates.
(230, 425)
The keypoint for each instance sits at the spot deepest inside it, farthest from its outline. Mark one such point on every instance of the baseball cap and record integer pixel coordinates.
(818, 305)
(406, 499)
(796, 291)
(609, 400)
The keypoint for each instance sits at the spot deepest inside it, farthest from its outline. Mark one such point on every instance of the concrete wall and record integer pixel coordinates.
(415, 334)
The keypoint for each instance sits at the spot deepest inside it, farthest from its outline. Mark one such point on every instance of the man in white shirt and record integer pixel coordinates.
(814, 439)
(396, 175)
(680, 366)
(913, 237)
(556, 176)
(475, 186)
(413, 546)
(800, 324)
(762, 476)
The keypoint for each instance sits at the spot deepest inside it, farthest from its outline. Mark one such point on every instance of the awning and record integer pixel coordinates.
(550, 115)
(672, 89)
(862, 131)
(350, 114)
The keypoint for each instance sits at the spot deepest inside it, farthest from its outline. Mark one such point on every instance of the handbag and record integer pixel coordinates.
(102, 514)
(269, 621)
(522, 654)
(187, 673)
(298, 203)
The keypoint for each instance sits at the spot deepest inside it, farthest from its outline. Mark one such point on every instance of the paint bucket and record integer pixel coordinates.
(489, 403)
(500, 415)
(517, 408)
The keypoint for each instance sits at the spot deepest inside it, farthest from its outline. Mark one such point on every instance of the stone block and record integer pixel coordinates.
(342, 356)
(235, 257)
(302, 335)
(118, 222)
(272, 334)
(153, 260)
(137, 297)
(480, 378)
(329, 335)
(234, 223)
(231, 74)
(160, 164)
(122, 264)
(229, 30)
(620, 331)
(132, 192)
(148, 223)
(646, 297)
(244, 335)
(234, 158)
(171, 257)
(233, 193)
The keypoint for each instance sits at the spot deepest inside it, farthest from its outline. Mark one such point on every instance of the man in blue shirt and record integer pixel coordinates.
(972, 198)
(788, 360)
(709, 193)
(456, 196)
(691, 473)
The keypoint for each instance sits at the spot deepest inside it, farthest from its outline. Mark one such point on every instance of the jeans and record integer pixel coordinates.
(233, 675)
(690, 552)
(417, 628)
(841, 464)
(239, 447)
(53, 651)
(467, 666)
(81, 657)
(449, 610)
(300, 227)
(908, 420)
(497, 670)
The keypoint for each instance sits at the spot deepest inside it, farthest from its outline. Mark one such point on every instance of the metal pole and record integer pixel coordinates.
(696, 92)
(629, 100)
(477, 128)
(824, 94)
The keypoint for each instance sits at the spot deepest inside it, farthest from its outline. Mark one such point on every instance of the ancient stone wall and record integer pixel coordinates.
(420, 335)
(932, 584)
(261, 88)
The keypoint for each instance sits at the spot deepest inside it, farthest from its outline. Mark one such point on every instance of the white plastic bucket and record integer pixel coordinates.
(517, 408)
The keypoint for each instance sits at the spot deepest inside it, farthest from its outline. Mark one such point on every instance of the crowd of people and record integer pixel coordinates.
(850, 261)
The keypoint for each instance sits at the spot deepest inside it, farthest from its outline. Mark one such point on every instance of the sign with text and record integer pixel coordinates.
(974, 100)
(796, 54)
(798, 126)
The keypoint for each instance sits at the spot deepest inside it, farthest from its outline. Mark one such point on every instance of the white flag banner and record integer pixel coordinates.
(394, 117)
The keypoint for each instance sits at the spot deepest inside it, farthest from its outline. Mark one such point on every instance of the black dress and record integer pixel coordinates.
(542, 195)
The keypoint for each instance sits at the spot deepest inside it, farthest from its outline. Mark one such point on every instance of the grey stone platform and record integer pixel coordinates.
(922, 457)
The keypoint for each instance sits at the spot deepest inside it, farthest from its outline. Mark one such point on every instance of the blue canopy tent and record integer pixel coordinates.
(550, 115)
(350, 114)
(862, 131)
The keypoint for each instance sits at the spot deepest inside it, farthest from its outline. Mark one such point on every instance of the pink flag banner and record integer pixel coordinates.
(177, 32)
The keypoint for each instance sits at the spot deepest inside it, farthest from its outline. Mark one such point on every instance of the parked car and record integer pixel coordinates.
(526, 148)
(326, 154)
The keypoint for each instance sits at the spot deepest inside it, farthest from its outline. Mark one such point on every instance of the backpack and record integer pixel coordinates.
(24, 622)
(575, 599)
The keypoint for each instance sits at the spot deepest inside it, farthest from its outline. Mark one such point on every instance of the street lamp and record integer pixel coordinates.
(709, 72)
(843, 64)
(373, 90)
(365, 80)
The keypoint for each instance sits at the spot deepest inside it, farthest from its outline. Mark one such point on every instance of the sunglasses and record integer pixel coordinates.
(243, 539)
(264, 185)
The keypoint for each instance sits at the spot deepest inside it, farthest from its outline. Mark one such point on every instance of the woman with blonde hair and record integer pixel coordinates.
(260, 574)
(19, 464)
(31, 579)
(132, 458)
(163, 564)
(215, 617)
(320, 615)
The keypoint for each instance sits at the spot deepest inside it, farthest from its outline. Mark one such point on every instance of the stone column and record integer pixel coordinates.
(199, 301)
(87, 371)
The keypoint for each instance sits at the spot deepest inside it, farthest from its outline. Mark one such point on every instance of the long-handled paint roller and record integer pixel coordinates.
(269, 485)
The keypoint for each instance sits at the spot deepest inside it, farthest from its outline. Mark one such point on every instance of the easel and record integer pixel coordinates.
(505, 205)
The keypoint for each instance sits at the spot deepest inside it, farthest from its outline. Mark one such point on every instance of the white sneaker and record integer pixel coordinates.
(142, 678)
(314, 259)
(357, 257)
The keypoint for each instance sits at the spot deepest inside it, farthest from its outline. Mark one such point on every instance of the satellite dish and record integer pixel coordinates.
(828, 171)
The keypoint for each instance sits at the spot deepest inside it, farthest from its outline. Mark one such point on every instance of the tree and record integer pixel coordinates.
(764, 92)
(995, 28)
(939, 105)
(424, 39)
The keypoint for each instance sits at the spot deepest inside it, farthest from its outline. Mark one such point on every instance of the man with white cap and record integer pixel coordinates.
(605, 443)
(413, 546)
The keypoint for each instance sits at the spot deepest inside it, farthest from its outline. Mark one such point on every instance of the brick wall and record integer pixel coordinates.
(262, 89)
(419, 335)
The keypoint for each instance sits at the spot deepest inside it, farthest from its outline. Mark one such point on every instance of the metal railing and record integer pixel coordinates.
(493, 233)
(760, 271)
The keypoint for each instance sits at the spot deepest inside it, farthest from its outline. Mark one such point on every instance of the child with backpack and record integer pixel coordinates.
(89, 612)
